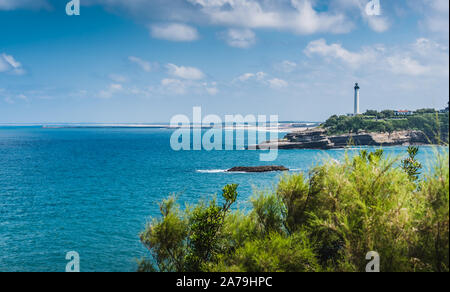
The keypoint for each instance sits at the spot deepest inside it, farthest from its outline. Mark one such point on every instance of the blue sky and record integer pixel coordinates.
(148, 60)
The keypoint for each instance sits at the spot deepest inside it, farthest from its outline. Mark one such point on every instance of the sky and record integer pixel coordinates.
(145, 61)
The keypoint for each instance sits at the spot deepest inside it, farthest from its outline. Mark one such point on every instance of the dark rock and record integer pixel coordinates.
(306, 136)
(269, 168)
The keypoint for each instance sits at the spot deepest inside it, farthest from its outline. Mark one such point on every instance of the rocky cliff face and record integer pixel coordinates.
(318, 139)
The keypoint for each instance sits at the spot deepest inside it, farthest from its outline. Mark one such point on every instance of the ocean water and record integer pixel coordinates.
(92, 190)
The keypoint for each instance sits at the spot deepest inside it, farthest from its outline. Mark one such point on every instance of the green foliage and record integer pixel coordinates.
(294, 192)
(205, 224)
(431, 253)
(386, 114)
(327, 220)
(269, 211)
(434, 125)
(371, 113)
(186, 241)
(166, 239)
(365, 196)
(272, 253)
(410, 165)
(426, 111)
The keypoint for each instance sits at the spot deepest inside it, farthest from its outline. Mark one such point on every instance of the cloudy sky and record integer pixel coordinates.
(147, 60)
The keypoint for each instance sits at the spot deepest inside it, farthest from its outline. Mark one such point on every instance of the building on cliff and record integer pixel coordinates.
(403, 113)
(356, 110)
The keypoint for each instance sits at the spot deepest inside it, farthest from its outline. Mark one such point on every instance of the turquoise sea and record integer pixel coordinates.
(92, 190)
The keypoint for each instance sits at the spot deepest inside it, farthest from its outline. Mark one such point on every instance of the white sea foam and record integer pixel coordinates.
(219, 171)
(211, 170)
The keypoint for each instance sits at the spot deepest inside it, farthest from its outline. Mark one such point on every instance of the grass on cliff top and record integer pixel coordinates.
(324, 220)
(435, 126)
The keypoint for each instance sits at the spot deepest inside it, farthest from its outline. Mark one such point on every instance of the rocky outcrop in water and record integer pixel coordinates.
(318, 139)
(269, 168)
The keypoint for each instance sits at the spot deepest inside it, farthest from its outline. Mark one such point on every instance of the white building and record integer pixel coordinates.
(356, 112)
(403, 113)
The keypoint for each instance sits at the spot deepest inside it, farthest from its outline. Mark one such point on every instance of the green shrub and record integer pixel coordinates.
(432, 220)
(166, 239)
(326, 221)
(272, 253)
(367, 208)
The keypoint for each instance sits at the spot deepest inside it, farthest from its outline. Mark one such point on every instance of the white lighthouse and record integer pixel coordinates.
(356, 99)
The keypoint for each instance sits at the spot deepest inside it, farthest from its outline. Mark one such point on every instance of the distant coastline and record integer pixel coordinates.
(284, 127)
(373, 128)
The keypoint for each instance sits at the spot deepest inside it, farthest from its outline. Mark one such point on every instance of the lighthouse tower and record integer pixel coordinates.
(356, 99)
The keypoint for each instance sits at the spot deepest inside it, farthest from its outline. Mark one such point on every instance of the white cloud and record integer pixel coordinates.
(189, 73)
(278, 83)
(183, 86)
(146, 66)
(11, 98)
(260, 75)
(23, 4)
(406, 65)
(424, 57)
(428, 48)
(436, 16)
(111, 91)
(286, 66)
(9, 64)
(297, 16)
(378, 23)
(167, 82)
(141, 92)
(212, 90)
(247, 76)
(175, 32)
(22, 97)
(118, 78)
(174, 86)
(262, 78)
(240, 38)
(3, 65)
(11, 61)
(336, 51)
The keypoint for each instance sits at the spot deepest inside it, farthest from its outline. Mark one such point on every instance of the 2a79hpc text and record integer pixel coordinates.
(226, 282)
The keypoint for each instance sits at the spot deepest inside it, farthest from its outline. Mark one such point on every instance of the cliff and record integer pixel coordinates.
(318, 139)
